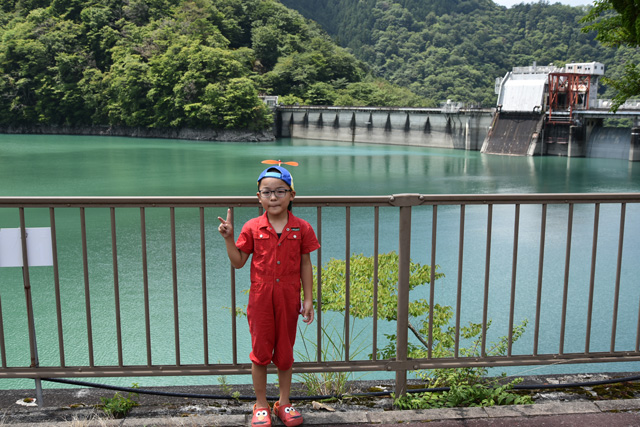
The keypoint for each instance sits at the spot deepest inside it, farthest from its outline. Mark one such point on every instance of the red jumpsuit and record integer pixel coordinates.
(274, 297)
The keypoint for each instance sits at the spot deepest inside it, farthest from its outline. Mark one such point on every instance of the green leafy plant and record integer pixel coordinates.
(616, 24)
(362, 286)
(465, 395)
(333, 299)
(119, 406)
(468, 375)
(467, 385)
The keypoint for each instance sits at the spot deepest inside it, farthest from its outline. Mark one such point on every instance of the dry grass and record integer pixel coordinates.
(93, 420)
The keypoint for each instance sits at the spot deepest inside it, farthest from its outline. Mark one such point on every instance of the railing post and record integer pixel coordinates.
(33, 346)
(404, 201)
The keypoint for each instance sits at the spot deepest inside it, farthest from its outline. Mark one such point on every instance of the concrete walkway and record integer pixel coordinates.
(610, 413)
(76, 407)
(567, 414)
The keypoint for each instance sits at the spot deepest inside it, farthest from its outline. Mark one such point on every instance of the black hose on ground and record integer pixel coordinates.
(330, 396)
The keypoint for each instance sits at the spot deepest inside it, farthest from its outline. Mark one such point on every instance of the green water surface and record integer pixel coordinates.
(109, 166)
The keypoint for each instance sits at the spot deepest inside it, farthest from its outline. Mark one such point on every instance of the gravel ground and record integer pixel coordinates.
(73, 404)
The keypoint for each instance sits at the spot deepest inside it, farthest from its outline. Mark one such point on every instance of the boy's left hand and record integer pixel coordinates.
(307, 312)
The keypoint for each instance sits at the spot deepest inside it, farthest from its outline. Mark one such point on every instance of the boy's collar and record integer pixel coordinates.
(264, 219)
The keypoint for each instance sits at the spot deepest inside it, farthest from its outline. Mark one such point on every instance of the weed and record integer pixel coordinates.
(226, 387)
(327, 383)
(463, 395)
(119, 406)
(92, 420)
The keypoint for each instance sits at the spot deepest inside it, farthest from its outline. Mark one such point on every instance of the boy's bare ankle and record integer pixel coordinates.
(262, 404)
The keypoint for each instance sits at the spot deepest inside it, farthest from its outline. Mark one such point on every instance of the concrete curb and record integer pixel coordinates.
(369, 417)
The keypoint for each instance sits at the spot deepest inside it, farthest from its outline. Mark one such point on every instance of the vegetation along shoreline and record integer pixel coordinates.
(226, 135)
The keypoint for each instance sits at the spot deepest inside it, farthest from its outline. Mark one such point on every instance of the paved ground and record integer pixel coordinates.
(77, 407)
(578, 414)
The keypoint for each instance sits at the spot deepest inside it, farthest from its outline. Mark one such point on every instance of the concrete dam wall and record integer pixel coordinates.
(425, 127)
(504, 133)
(609, 143)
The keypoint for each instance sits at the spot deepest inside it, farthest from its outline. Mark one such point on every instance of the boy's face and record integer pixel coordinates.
(274, 204)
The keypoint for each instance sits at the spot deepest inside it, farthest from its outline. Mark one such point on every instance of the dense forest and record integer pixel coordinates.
(454, 49)
(169, 63)
(202, 64)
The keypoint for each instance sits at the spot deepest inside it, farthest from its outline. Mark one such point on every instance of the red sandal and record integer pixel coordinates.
(288, 414)
(261, 417)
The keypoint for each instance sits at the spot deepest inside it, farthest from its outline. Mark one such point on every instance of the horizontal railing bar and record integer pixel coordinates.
(183, 202)
(314, 201)
(313, 367)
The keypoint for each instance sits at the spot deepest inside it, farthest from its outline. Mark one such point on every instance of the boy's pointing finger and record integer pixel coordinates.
(229, 217)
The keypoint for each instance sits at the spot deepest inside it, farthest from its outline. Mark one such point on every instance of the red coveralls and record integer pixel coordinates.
(274, 297)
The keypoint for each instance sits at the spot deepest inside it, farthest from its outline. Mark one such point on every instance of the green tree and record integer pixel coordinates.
(242, 108)
(127, 88)
(617, 23)
(265, 44)
(320, 93)
(361, 286)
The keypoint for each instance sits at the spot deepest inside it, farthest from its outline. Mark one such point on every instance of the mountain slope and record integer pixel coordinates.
(455, 49)
(170, 64)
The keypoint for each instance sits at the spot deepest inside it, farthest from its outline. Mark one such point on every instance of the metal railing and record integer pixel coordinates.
(629, 104)
(416, 221)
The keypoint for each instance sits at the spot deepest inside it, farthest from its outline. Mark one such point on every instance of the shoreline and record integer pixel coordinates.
(226, 135)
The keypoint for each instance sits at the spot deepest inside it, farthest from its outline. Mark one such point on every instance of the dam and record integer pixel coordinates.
(449, 127)
(545, 111)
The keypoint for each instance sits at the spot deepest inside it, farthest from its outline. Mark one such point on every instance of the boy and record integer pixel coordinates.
(281, 245)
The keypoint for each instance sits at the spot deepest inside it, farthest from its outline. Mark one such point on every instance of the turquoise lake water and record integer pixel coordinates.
(107, 166)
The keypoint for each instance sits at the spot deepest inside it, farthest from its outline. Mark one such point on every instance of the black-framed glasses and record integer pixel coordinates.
(280, 193)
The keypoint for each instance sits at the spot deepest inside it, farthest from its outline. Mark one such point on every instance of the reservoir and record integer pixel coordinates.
(111, 166)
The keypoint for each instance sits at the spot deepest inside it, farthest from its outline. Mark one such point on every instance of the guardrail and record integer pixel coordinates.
(629, 104)
(87, 237)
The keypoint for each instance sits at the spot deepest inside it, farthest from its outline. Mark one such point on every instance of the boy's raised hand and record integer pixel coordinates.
(226, 225)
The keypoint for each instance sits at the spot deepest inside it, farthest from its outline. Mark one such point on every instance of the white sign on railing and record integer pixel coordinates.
(39, 252)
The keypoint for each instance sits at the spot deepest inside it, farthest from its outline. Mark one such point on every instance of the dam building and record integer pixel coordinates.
(541, 110)
(555, 111)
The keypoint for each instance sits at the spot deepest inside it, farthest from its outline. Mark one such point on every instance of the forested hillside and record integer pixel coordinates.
(170, 64)
(454, 49)
(201, 64)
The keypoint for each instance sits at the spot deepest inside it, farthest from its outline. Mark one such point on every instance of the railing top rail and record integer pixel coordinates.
(380, 109)
(313, 201)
